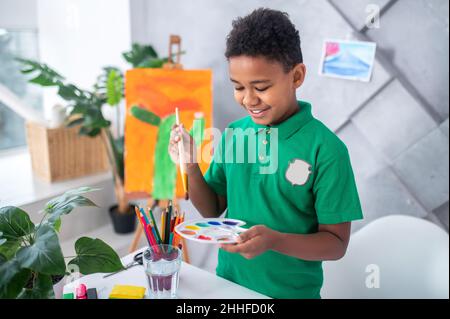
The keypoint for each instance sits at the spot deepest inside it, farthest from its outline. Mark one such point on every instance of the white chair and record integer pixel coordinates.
(392, 257)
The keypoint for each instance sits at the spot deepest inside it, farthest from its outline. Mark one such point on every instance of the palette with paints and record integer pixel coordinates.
(211, 230)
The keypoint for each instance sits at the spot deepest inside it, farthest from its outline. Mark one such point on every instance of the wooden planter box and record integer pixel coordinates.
(61, 153)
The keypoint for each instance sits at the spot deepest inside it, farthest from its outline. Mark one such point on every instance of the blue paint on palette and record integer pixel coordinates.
(230, 223)
(214, 223)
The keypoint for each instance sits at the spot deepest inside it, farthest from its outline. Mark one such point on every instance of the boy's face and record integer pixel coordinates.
(264, 89)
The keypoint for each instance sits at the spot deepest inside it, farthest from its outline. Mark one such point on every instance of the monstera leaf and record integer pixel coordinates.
(139, 54)
(43, 74)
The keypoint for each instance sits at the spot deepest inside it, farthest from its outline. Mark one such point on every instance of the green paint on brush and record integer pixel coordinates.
(165, 171)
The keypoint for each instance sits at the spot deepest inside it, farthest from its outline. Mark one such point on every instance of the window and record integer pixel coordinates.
(16, 43)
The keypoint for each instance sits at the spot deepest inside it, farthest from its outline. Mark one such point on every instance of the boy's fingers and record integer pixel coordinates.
(231, 248)
(238, 248)
(252, 232)
(173, 149)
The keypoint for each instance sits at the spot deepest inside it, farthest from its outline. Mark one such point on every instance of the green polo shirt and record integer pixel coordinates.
(289, 177)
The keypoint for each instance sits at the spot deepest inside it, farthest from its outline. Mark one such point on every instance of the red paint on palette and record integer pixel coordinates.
(204, 237)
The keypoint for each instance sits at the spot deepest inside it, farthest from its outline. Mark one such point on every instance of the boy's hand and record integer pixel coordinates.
(188, 143)
(253, 242)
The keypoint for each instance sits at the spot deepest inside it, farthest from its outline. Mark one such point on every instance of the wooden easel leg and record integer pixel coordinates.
(136, 239)
(185, 251)
(176, 205)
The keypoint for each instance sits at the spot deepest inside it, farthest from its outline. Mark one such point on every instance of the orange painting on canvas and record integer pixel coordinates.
(160, 91)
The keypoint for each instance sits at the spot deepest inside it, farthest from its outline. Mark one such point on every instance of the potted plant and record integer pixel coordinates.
(85, 110)
(31, 260)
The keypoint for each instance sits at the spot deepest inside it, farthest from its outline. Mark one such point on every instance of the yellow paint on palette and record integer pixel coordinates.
(191, 227)
(127, 292)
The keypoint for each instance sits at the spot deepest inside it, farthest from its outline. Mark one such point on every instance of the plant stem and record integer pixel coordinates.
(118, 120)
(118, 183)
(80, 255)
(40, 223)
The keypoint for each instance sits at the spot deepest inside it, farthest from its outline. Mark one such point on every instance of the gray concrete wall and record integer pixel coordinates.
(396, 126)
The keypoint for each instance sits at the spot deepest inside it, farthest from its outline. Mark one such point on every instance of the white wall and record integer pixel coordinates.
(79, 37)
(18, 14)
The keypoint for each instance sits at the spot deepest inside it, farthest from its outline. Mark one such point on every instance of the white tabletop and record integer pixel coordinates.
(194, 283)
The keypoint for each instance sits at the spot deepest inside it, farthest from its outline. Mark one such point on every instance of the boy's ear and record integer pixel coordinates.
(299, 74)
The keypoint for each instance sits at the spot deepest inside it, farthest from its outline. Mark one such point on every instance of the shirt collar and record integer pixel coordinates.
(288, 127)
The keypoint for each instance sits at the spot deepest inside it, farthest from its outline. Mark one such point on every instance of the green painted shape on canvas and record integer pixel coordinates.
(165, 171)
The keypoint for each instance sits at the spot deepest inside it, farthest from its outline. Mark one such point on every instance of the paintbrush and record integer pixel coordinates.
(182, 160)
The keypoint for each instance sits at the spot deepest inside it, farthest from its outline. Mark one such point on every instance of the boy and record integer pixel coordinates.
(299, 213)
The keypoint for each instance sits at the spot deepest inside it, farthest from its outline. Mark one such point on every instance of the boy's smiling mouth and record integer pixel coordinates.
(258, 112)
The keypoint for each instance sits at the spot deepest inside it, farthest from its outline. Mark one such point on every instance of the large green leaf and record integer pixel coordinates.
(152, 63)
(57, 224)
(93, 118)
(12, 278)
(82, 190)
(145, 116)
(42, 289)
(9, 248)
(155, 63)
(75, 122)
(46, 76)
(45, 255)
(139, 53)
(65, 203)
(14, 223)
(70, 92)
(91, 132)
(2, 240)
(94, 255)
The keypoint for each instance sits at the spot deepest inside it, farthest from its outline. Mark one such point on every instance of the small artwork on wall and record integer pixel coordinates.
(351, 60)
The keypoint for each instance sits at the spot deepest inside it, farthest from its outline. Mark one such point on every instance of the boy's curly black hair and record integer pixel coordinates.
(265, 32)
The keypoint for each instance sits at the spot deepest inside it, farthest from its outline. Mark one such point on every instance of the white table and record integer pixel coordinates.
(194, 283)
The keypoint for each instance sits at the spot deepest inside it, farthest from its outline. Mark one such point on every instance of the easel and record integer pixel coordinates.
(153, 203)
(174, 40)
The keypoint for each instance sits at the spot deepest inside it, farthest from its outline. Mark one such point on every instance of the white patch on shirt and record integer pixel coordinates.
(298, 172)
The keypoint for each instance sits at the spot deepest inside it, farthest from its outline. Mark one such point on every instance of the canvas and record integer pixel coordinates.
(154, 94)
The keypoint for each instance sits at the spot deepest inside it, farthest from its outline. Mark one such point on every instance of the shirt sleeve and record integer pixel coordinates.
(215, 175)
(335, 191)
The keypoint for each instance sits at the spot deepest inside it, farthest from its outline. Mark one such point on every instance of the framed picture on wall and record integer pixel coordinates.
(351, 60)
